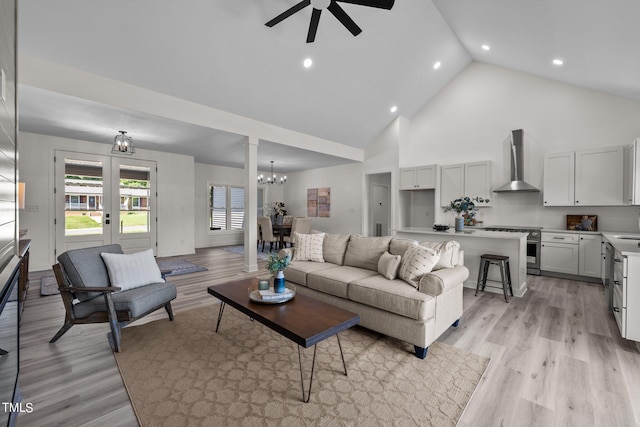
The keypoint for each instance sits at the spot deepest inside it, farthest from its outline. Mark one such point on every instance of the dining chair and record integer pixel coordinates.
(267, 233)
(259, 234)
(287, 220)
(301, 225)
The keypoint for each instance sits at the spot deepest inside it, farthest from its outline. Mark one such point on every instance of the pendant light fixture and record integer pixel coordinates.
(272, 179)
(123, 144)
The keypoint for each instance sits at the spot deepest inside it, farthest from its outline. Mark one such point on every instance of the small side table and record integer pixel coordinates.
(23, 280)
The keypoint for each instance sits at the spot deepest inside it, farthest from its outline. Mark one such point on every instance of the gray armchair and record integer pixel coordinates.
(89, 297)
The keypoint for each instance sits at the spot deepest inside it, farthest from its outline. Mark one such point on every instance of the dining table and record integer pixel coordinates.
(281, 230)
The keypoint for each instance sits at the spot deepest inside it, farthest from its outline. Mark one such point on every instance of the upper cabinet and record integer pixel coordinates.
(418, 178)
(465, 179)
(592, 177)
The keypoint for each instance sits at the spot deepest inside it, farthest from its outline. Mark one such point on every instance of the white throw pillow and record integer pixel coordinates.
(448, 251)
(388, 265)
(416, 262)
(308, 247)
(128, 271)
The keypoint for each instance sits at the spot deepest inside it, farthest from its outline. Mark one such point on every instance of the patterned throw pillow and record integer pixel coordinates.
(417, 262)
(388, 265)
(308, 247)
(448, 251)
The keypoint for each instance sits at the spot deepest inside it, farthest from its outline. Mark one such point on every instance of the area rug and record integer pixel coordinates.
(48, 286)
(240, 250)
(178, 266)
(184, 373)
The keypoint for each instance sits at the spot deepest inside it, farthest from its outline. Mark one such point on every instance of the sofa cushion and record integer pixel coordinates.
(138, 301)
(128, 271)
(364, 252)
(297, 271)
(416, 262)
(335, 281)
(395, 296)
(334, 246)
(400, 246)
(448, 250)
(308, 247)
(388, 265)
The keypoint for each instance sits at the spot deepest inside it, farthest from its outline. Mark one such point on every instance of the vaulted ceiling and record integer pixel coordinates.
(220, 54)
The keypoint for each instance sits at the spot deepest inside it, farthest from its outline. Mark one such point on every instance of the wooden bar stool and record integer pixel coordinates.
(501, 261)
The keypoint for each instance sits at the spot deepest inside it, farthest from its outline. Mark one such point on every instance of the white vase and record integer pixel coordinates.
(459, 223)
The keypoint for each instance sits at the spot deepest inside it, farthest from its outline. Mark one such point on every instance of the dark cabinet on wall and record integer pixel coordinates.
(9, 261)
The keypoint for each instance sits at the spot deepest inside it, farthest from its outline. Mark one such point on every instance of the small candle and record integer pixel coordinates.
(263, 285)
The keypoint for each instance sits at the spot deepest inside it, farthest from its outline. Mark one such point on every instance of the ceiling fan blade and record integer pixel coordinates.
(381, 4)
(313, 25)
(342, 16)
(287, 13)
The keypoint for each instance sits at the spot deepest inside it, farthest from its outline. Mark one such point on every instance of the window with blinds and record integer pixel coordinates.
(226, 207)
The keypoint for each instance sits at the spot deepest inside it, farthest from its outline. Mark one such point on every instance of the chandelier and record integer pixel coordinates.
(272, 179)
(123, 144)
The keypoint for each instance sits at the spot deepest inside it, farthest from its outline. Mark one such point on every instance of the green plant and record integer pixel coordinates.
(465, 205)
(277, 208)
(275, 263)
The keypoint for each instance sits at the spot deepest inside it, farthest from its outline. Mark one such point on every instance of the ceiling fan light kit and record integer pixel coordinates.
(335, 9)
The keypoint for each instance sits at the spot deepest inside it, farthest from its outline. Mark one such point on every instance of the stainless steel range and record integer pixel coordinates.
(534, 237)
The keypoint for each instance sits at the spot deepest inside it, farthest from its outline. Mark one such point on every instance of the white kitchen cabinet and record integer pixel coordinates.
(418, 178)
(465, 179)
(600, 177)
(590, 255)
(592, 177)
(559, 179)
(560, 253)
(631, 297)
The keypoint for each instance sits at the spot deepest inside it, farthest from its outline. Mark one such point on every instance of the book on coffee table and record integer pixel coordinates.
(270, 295)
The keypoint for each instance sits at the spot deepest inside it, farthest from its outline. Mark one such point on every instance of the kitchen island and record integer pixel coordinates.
(476, 242)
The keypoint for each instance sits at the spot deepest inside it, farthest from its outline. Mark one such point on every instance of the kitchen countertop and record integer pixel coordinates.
(625, 246)
(467, 232)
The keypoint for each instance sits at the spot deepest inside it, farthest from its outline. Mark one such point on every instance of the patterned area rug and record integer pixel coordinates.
(184, 373)
(240, 250)
(178, 267)
(48, 286)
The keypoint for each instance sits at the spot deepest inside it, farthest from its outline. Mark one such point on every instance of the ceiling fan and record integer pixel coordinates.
(333, 7)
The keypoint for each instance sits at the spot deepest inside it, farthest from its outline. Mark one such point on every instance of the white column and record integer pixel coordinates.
(250, 204)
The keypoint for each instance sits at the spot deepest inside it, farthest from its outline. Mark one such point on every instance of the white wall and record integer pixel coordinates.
(346, 196)
(471, 120)
(175, 195)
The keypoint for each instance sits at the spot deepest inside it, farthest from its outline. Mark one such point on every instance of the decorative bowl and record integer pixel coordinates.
(440, 227)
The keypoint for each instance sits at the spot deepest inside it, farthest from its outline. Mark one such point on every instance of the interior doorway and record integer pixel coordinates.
(379, 204)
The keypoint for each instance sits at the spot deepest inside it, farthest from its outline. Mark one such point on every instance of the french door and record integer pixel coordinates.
(101, 200)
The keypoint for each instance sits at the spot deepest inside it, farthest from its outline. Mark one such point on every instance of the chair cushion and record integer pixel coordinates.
(364, 252)
(137, 301)
(395, 296)
(84, 268)
(128, 271)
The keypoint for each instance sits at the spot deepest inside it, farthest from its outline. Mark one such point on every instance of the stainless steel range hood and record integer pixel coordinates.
(517, 183)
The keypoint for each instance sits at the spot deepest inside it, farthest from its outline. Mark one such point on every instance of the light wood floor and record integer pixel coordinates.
(556, 356)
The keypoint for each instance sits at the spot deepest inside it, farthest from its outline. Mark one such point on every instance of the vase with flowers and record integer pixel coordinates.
(465, 208)
(277, 211)
(276, 265)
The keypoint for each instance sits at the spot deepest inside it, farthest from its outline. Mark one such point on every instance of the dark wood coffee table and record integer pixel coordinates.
(303, 320)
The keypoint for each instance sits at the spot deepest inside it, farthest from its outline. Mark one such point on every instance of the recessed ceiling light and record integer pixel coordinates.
(307, 63)
(394, 109)
(486, 47)
(558, 62)
(437, 65)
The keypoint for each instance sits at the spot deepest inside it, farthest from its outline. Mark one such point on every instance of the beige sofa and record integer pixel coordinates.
(347, 275)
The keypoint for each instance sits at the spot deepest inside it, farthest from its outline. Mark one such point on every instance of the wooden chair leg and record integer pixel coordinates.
(167, 307)
(113, 323)
(67, 325)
